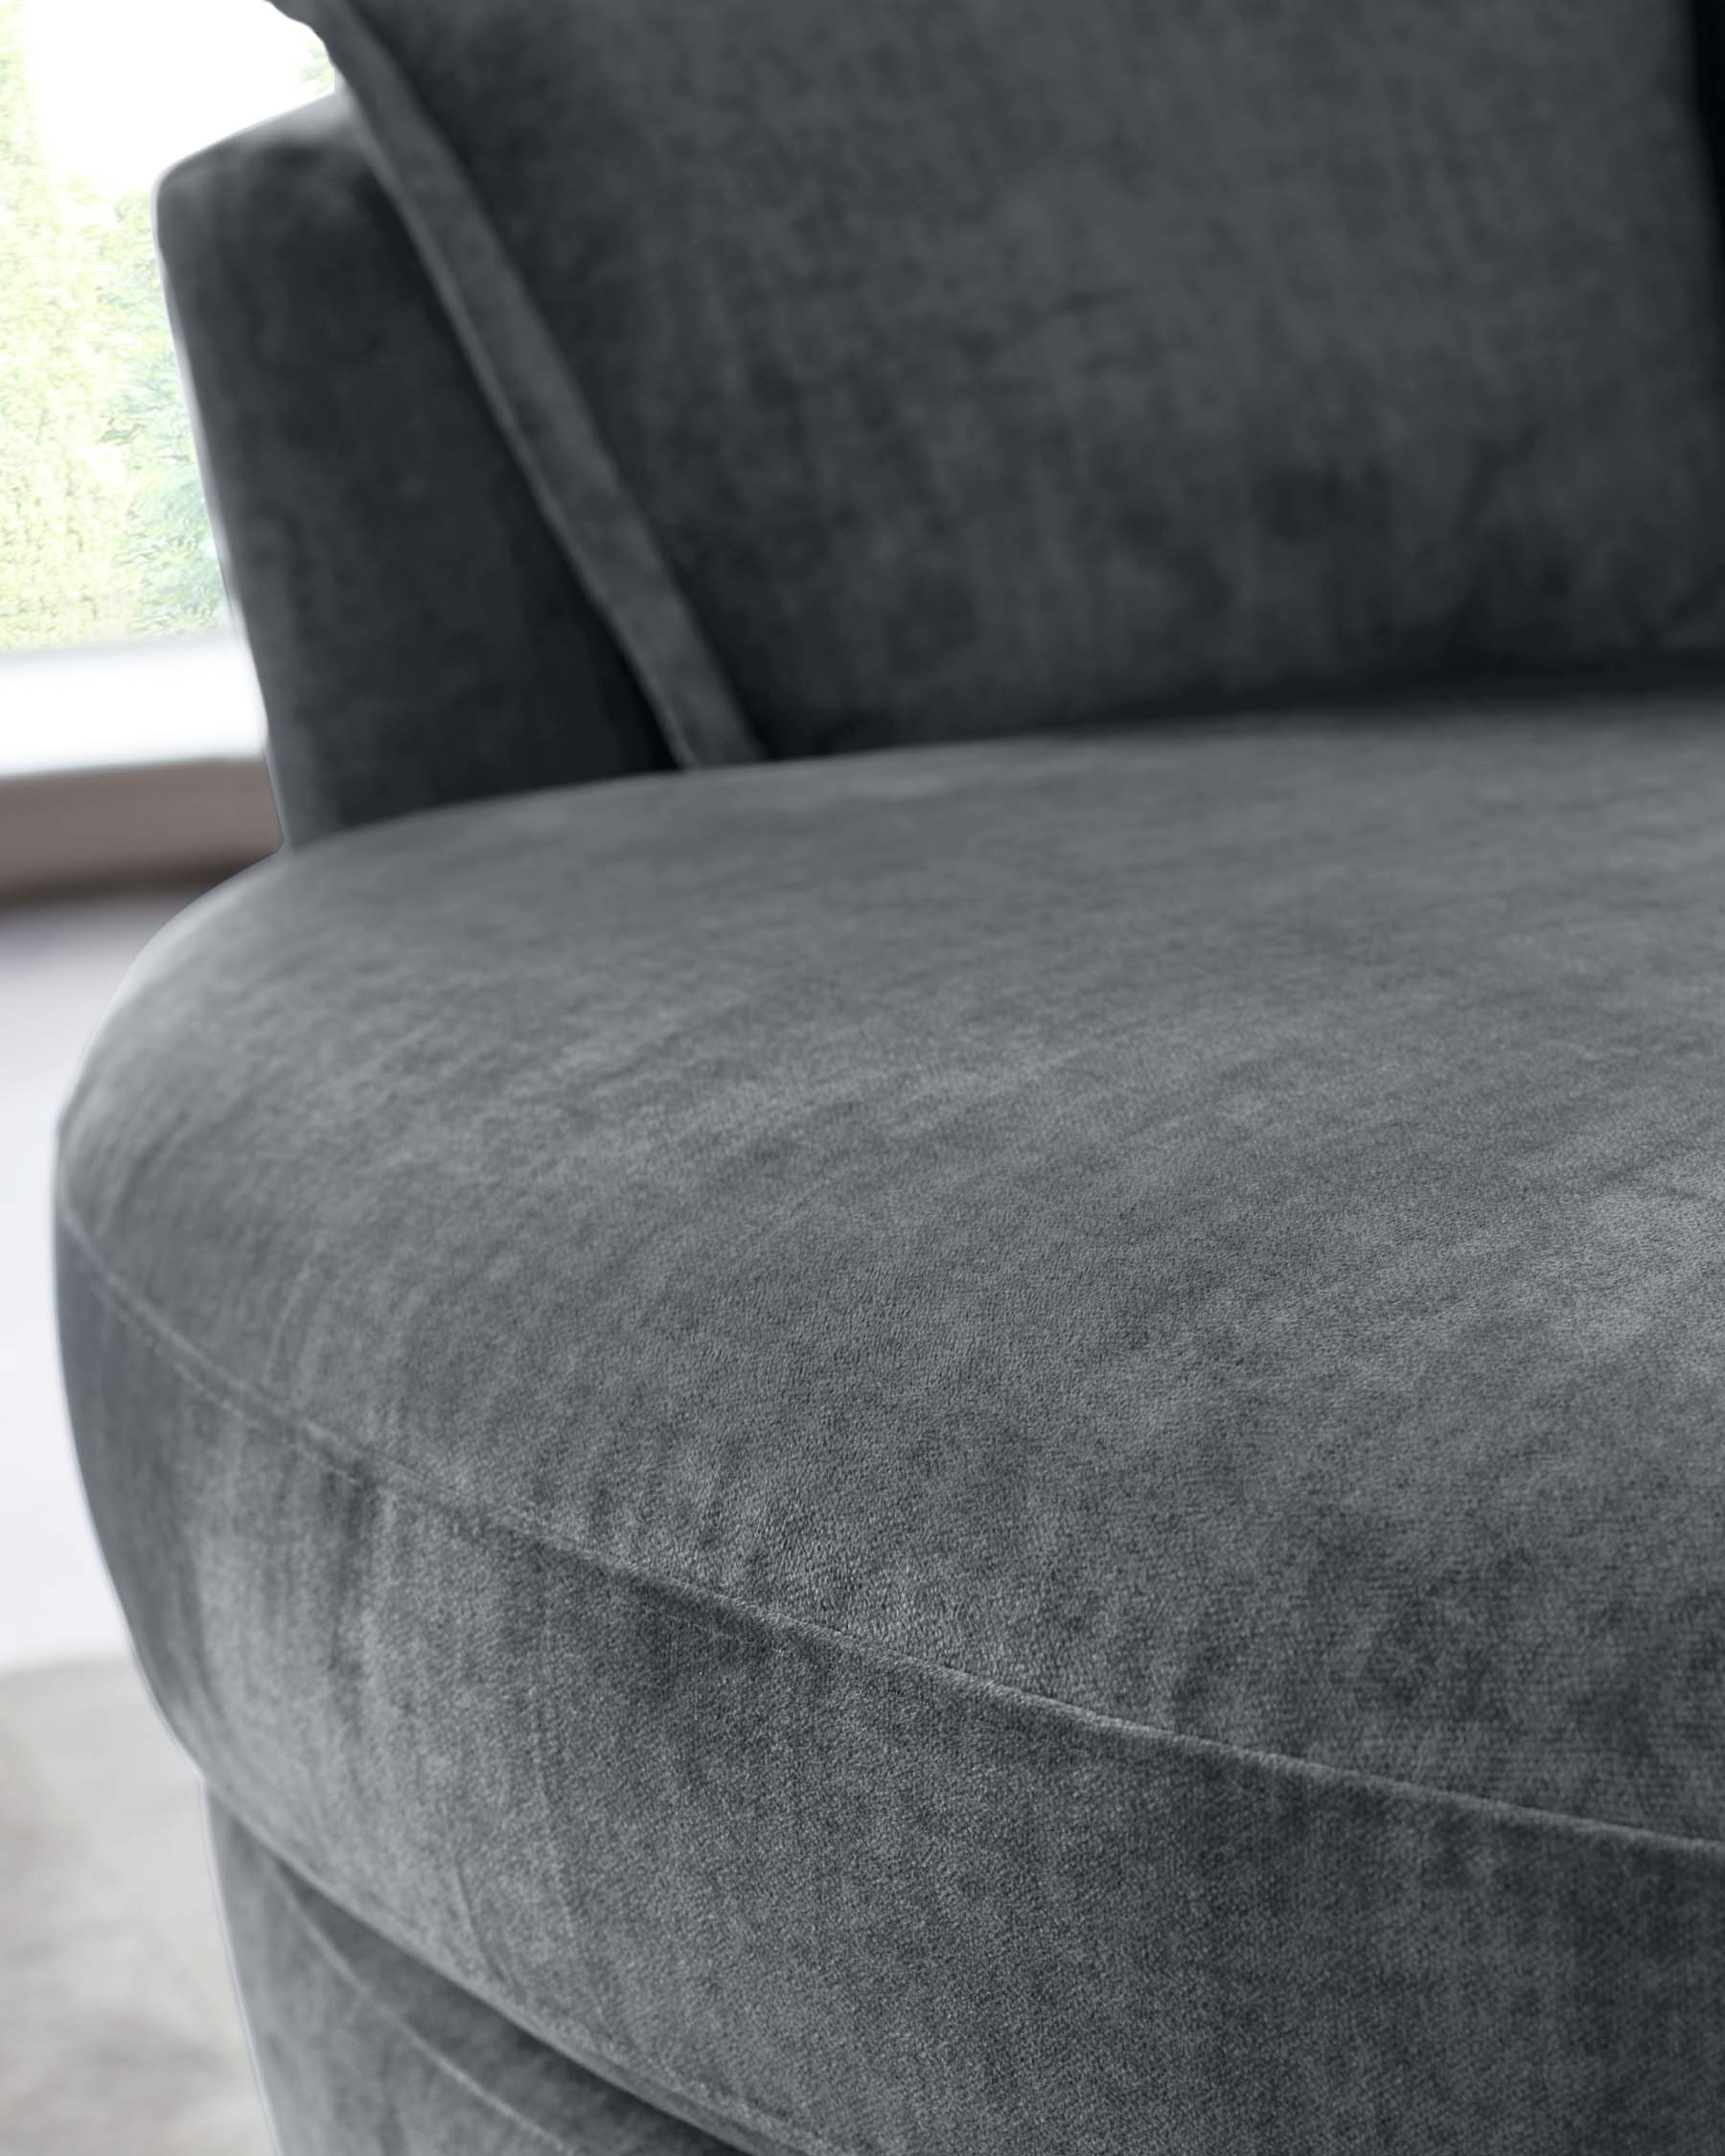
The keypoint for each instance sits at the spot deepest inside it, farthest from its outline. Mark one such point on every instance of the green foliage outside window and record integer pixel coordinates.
(102, 529)
(64, 493)
(166, 560)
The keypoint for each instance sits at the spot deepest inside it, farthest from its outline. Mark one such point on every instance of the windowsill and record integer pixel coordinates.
(127, 704)
(129, 765)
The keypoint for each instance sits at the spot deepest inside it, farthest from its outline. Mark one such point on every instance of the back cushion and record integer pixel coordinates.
(902, 369)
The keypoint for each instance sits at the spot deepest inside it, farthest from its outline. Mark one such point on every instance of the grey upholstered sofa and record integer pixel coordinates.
(919, 1348)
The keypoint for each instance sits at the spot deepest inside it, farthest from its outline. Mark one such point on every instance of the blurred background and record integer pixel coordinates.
(105, 538)
(118, 653)
(131, 777)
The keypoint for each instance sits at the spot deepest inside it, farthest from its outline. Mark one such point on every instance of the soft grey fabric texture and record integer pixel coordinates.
(361, 2047)
(999, 1448)
(938, 367)
(419, 637)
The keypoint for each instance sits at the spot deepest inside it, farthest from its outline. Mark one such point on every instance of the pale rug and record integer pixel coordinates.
(119, 2035)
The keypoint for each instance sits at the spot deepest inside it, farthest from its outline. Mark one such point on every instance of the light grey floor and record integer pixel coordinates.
(119, 2035)
(118, 2031)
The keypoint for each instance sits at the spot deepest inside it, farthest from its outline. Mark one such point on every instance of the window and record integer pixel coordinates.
(103, 538)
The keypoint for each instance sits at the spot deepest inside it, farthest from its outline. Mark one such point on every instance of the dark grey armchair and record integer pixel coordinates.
(916, 1348)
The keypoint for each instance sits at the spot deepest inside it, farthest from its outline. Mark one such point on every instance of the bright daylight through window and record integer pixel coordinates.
(103, 538)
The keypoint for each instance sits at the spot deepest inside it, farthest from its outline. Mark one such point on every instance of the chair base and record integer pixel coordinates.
(364, 2050)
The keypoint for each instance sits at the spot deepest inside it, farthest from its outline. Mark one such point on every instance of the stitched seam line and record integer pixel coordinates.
(203, 1374)
(544, 416)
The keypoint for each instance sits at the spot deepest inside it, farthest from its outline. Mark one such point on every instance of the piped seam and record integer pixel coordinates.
(237, 1397)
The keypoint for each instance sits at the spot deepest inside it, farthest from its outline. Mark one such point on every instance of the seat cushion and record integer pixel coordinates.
(930, 367)
(1003, 1447)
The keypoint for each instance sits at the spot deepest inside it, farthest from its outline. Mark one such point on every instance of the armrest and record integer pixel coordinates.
(419, 638)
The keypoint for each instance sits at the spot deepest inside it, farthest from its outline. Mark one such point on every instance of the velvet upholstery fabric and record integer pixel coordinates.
(418, 637)
(361, 2047)
(1002, 1447)
(933, 368)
